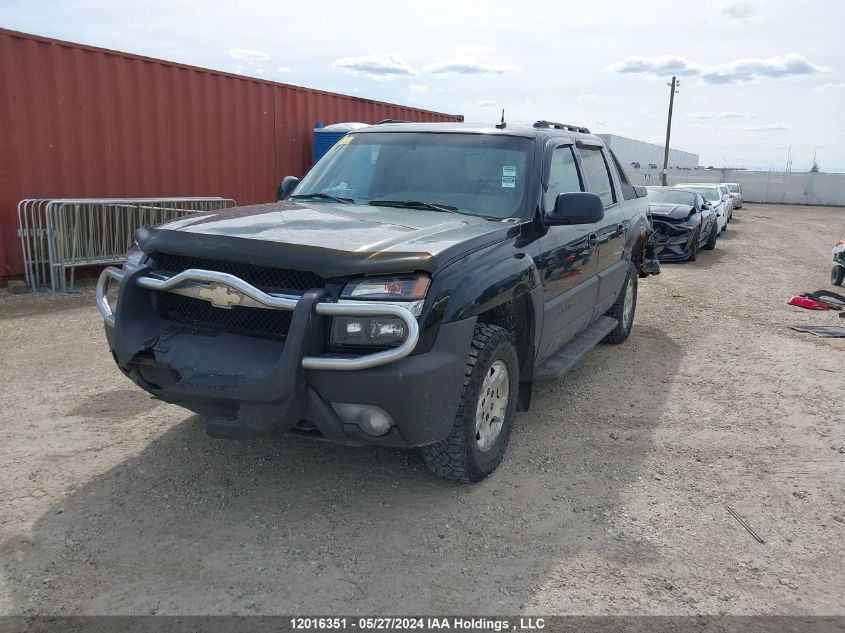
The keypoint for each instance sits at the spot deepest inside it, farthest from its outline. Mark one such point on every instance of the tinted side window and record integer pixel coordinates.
(563, 176)
(596, 174)
(628, 191)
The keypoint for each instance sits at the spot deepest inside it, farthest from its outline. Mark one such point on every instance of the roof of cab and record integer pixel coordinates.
(522, 130)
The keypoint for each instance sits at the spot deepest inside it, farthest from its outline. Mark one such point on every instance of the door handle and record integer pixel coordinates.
(594, 239)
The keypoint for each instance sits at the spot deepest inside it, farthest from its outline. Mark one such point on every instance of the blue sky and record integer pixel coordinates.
(758, 77)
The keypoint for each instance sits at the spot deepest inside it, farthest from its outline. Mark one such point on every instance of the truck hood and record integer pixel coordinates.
(328, 238)
(669, 210)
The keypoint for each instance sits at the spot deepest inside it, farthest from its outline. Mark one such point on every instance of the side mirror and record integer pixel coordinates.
(706, 205)
(726, 197)
(286, 187)
(575, 208)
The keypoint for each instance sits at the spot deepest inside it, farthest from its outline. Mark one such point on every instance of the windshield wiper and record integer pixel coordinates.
(322, 196)
(415, 204)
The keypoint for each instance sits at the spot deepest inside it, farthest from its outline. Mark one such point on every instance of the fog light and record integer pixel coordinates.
(368, 331)
(370, 419)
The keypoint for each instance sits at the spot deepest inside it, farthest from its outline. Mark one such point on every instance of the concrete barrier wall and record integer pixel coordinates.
(759, 186)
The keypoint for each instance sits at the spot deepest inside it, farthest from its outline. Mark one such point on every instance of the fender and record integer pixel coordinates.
(500, 273)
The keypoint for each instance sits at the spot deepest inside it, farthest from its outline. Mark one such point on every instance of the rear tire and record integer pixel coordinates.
(483, 422)
(837, 275)
(711, 239)
(623, 310)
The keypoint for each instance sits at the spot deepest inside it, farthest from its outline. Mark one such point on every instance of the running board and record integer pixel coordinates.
(565, 358)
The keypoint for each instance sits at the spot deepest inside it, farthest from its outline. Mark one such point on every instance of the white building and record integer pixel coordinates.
(634, 154)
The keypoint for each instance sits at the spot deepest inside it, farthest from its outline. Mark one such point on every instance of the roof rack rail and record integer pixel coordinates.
(561, 126)
(391, 121)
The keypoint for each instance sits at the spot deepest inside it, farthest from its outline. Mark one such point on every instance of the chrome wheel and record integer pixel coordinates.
(628, 306)
(492, 405)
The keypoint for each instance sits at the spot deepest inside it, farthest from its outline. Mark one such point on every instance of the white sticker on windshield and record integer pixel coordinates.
(509, 181)
(509, 170)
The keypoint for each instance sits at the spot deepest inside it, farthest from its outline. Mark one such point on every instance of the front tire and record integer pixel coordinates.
(623, 310)
(711, 239)
(486, 410)
(693, 249)
(837, 275)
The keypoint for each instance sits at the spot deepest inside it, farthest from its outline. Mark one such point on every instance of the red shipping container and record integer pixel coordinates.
(78, 121)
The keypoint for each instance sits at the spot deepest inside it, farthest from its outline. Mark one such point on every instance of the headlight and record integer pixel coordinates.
(407, 291)
(386, 331)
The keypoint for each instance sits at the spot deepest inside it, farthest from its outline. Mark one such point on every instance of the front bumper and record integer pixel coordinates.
(250, 387)
(670, 242)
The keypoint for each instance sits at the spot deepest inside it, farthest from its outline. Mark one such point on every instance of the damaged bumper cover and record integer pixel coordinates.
(248, 386)
(672, 241)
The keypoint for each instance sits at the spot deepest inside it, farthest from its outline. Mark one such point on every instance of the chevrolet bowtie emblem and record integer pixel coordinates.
(220, 296)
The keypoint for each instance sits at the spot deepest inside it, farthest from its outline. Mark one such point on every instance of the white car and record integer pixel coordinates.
(718, 198)
(735, 189)
(727, 192)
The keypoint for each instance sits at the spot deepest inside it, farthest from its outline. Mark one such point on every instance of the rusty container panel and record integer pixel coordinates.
(79, 121)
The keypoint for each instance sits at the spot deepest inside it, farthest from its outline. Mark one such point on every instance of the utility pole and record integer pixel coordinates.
(675, 83)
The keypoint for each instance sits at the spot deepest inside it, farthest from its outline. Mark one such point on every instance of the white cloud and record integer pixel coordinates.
(419, 89)
(465, 67)
(259, 71)
(468, 60)
(739, 70)
(789, 65)
(284, 70)
(831, 87)
(376, 66)
(737, 10)
(247, 55)
(485, 104)
(720, 115)
(665, 65)
(769, 127)
(586, 97)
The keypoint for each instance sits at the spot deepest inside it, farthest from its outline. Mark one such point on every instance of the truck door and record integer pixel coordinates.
(611, 231)
(567, 260)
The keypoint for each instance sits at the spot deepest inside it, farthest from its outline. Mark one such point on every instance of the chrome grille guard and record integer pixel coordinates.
(216, 287)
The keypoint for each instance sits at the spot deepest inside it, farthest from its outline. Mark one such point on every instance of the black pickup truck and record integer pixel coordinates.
(408, 291)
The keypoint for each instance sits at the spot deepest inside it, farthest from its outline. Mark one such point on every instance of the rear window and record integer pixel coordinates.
(671, 196)
(734, 188)
(597, 174)
(711, 194)
(628, 191)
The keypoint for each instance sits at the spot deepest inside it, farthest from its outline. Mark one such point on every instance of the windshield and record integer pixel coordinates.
(672, 196)
(734, 188)
(477, 174)
(711, 194)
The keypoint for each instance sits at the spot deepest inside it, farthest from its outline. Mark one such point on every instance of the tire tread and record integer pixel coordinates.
(449, 458)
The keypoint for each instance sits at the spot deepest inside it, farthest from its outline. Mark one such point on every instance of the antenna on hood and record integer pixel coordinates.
(502, 125)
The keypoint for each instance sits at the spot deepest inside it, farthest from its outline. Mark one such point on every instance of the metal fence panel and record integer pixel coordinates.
(59, 236)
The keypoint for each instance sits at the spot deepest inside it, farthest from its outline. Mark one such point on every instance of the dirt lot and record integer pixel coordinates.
(611, 498)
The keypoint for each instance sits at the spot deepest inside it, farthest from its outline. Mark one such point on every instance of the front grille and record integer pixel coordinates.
(264, 277)
(258, 322)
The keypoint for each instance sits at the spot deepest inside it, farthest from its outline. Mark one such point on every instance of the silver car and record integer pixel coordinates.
(735, 190)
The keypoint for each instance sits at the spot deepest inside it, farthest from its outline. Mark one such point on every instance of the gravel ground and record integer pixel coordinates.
(611, 499)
